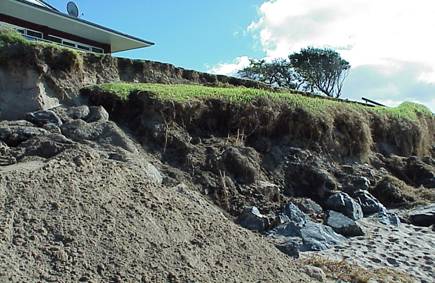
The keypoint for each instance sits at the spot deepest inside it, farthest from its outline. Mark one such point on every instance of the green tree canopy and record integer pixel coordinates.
(321, 70)
(276, 73)
(311, 69)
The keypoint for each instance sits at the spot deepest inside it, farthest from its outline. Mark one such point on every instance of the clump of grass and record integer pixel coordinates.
(406, 110)
(10, 37)
(343, 270)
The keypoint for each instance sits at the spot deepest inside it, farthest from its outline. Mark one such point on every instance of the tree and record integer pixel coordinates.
(276, 73)
(321, 70)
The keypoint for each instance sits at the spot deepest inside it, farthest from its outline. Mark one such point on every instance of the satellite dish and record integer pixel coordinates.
(72, 9)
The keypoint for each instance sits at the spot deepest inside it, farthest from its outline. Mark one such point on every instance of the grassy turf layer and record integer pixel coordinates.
(10, 37)
(315, 105)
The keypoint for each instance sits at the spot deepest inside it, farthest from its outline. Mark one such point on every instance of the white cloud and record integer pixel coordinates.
(389, 43)
(366, 31)
(230, 69)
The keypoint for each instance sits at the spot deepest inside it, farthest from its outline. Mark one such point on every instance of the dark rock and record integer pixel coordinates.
(291, 213)
(67, 114)
(101, 132)
(343, 203)
(271, 192)
(309, 181)
(52, 128)
(369, 204)
(424, 216)
(45, 146)
(239, 166)
(40, 118)
(318, 237)
(97, 114)
(79, 130)
(14, 133)
(388, 218)
(360, 183)
(343, 224)
(290, 246)
(314, 236)
(252, 219)
(309, 206)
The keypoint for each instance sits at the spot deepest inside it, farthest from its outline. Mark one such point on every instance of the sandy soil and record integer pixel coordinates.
(407, 248)
(84, 217)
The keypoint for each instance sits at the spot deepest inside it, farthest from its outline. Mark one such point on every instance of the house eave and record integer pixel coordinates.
(57, 20)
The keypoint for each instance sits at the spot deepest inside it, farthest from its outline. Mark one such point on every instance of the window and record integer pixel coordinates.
(34, 34)
(54, 39)
(68, 43)
(87, 48)
(97, 50)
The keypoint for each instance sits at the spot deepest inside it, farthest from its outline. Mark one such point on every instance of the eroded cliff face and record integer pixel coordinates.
(144, 190)
(47, 76)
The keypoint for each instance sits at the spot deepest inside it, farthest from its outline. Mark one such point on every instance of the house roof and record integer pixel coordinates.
(41, 13)
(42, 4)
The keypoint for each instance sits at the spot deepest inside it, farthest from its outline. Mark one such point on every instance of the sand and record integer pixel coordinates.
(407, 248)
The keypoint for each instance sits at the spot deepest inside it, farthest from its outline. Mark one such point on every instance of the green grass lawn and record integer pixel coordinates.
(316, 105)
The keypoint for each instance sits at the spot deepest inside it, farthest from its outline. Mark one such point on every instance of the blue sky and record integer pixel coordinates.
(193, 34)
(386, 41)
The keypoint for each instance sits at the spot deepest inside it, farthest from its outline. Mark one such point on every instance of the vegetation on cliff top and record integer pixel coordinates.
(313, 104)
(10, 37)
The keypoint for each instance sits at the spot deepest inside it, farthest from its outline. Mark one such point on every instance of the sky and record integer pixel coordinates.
(389, 43)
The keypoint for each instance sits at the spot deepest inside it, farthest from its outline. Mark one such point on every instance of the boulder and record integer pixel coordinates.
(318, 237)
(291, 213)
(314, 236)
(343, 224)
(40, 118)
(14, 133)
(388, 218)
(252, 219)
(44, 146)
(67, 114)
(271, 192)
(343, 203)
(423, 216)
(360, 183)
(101, 132)
(369, 204)
(309, 206)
